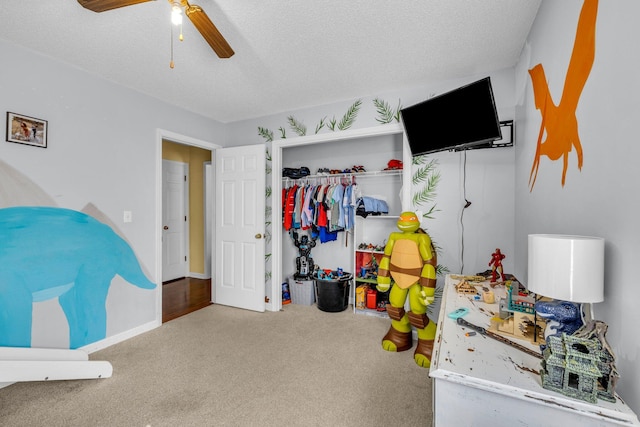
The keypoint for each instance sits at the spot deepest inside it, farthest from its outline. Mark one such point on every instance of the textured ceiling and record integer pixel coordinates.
(289, 54)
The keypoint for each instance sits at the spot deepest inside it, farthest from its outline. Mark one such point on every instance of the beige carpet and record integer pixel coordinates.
(222, 366)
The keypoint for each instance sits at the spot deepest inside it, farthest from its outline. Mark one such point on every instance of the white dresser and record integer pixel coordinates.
(479, 381)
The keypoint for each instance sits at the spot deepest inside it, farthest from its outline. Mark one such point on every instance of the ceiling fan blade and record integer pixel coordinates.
(104, 5)
(209, 31)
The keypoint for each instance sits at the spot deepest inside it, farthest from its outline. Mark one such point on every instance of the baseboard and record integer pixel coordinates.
(198, 276)
(123, 336)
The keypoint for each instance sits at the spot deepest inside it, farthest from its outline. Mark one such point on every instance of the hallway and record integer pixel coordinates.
(183, 296)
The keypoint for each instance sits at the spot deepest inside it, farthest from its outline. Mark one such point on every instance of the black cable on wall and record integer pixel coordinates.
(467, 203)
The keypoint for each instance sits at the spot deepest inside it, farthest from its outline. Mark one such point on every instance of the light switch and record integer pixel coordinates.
(128, 216)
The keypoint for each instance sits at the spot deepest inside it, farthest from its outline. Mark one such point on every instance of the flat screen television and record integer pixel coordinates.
(461, 119)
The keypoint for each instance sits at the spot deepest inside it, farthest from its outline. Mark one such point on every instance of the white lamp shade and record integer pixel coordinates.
(568, 268)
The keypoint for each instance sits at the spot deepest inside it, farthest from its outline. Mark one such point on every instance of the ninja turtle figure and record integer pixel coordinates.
(410, 260)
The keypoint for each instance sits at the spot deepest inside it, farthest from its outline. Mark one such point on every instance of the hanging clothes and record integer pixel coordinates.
(289, 206)
(337, 211)
(326, 207)
(308, 208)
(297, 208)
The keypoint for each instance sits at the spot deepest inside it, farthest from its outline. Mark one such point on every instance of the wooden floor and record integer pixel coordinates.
(183, 296)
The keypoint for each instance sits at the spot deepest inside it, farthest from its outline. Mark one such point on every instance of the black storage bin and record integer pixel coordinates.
(333, 294)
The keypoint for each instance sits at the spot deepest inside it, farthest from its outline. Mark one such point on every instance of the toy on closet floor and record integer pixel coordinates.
(410, 260)
(496, 265)
(304, 262)
(286, 294)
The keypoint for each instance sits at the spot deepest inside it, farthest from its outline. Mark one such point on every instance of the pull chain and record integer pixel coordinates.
(181, 38)
(171, 62)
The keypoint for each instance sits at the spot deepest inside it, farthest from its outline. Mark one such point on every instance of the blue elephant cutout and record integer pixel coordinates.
(48, 252)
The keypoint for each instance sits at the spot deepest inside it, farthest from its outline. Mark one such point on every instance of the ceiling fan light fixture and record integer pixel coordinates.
(176, 14)
(195, 13)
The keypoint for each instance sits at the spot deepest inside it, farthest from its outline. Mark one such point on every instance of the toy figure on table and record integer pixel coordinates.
(561, 317)
(410, 260)
(496, 265)
(304, 262)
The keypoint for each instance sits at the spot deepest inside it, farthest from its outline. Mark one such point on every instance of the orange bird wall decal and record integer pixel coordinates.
(559, 121)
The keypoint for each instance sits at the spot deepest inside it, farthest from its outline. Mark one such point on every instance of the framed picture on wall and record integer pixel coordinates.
(26, 130)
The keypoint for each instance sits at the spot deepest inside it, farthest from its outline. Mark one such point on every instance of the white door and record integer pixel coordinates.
(239, 227)
(174, 219)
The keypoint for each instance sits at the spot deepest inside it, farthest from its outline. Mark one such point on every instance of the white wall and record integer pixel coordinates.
(470, 237)
(601, 199)
(102, 150)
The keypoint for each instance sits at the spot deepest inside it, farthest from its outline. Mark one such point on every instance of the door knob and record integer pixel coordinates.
(258, 236)
(166, 227)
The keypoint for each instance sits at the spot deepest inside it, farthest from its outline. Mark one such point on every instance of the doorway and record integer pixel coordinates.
(188, 287)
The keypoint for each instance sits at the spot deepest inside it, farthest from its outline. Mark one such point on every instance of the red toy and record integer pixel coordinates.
(496, 265)
(394, 164)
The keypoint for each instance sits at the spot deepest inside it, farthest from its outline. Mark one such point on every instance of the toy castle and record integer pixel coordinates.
(581, 365)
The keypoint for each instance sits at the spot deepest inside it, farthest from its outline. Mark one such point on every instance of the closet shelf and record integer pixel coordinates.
(393, 172)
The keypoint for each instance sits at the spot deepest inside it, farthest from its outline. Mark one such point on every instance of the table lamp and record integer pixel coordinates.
(571, 268)
(567, 268)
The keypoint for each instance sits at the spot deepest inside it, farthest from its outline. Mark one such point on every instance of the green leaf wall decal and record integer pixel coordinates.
(427, 194)
(385, 113)
(297, 126)
(265, 133)
(423, 173)
(350, 116)
(321, 124)
(397, 114)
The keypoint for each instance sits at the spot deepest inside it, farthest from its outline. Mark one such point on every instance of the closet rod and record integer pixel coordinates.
(351, 174)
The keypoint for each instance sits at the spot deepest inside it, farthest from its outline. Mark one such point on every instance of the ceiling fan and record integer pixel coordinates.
(195, 13)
